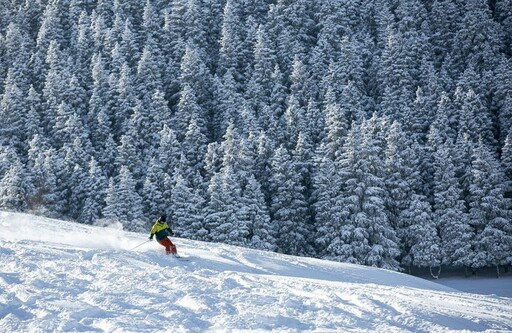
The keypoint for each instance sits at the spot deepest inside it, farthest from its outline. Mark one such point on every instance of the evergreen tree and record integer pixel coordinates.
(195, 30)
(336, 126)
(38, 175)
(195, 74)
(288, 206)
(160, 113)
(94, 190)
(148, 78)
(13, 186)
(188, 108)
(83, 46)
(475, 120)
(422, 238)
(55, 190)
(124, 100)
(154, 190)
(506, 162)
(194, 147)
(12, 129)
(50, 31)
(502, 99)
(129, 45)
(188, 208)
(462, 157)
(33, 113)
(128, 202)
(450, 211)
(169, 150)
(231, 48)
(401, 183)
(111, 209)
(224, 192)
(254, 213)
(444, 21)
(503, 11)
(229, 104)
(17, 53)
(140, 129)
(259, 87)
(478, 36)
(294, 119)
(488, 213)
(444, 125)
(368, 237)
(126, 154)
(327, 218)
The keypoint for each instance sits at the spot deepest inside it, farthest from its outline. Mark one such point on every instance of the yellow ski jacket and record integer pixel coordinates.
(160, 230)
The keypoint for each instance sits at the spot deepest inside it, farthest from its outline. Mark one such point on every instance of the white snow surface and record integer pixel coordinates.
(58, 276)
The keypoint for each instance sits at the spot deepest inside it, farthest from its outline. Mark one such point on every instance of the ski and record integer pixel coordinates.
(177, 256)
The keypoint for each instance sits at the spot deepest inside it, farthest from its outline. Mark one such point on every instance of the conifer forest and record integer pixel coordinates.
(372, 132)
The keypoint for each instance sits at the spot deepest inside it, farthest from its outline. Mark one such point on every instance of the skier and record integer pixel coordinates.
(162, 232)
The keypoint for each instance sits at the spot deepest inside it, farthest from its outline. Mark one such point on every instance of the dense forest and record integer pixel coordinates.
(372, 132)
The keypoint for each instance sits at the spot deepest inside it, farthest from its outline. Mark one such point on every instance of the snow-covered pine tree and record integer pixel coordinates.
(148, 78)
(195, 74)
(111, 209)
(326, 191)
(128, 203)
(254, 213)
(506, 162)
(502, 98)
(259, 87)
(336, 126)
(402, 183)
(194, 147)
(14, 185)
(231, 51)
(12, 128)
(155, 195)
(220, 208)
(188, 210)
(187, 109)
(42, 194)
(478, 37)
(489, 215)
(228, 105)
(94, 189)
(422, 239)
(475, 120)
(450, 213)
(367, 236)
(33, 113)
(288, 206)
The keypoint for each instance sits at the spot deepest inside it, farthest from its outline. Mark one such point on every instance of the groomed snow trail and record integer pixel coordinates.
(58, 276)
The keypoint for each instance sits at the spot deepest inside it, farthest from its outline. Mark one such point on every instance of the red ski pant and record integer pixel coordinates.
(169, 246)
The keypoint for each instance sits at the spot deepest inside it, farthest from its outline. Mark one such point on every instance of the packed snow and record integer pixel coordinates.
(59, 276)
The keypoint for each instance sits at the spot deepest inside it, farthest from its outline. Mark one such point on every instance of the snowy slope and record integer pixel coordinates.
(58, 276)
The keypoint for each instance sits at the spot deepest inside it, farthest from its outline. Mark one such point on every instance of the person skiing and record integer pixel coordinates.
(162, 232)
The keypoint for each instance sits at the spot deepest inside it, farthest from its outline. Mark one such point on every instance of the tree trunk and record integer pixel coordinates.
(435, 276)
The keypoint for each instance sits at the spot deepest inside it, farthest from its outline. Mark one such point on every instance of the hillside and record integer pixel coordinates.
(371, 132)
(60, 276)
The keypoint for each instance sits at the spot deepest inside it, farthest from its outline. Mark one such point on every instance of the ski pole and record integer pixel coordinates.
(140, 245)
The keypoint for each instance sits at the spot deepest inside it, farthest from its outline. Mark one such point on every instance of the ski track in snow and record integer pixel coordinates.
(58, 276)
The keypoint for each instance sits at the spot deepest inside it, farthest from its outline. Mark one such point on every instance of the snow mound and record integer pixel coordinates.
(59, 276)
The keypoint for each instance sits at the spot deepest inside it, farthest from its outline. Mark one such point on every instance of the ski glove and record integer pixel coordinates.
(151, 237)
